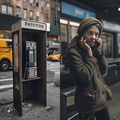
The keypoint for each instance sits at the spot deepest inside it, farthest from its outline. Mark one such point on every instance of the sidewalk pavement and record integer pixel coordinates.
(114, 104)
(50, 112)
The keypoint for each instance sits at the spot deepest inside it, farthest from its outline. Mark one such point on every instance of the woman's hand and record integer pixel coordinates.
(91, 95)
(85, 46)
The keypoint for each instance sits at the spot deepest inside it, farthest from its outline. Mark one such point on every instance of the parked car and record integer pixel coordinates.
(50, 52)
(54, 57)
(5, 54)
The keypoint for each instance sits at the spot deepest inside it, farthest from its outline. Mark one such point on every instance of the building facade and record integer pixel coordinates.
(36, 10)
(72, 13)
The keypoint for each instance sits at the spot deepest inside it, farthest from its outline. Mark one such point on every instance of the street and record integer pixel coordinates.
(6, 77)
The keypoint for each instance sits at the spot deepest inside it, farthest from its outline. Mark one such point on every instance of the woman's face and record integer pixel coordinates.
(91, 35)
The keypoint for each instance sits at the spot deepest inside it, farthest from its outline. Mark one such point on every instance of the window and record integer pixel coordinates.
(25, 1)
(37, 3)
(37, 16)
(64, 32)
(4, 9)
(73, 31)
(9, 44)
(31, 2)
(107, 44)
(118, 45)
(64, 38)
(42, 4)
(47, 6)
(31, 15)
(7, 9)
(18, 11)
(24, 13)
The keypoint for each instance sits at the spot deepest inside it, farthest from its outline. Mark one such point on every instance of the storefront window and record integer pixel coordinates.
(107, 44)
(64, 40)
(73, 31)
(64, 33)
(118, 44)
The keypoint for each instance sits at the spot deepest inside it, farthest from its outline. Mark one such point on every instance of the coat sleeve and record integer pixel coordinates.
(81, 70)
(103, 66)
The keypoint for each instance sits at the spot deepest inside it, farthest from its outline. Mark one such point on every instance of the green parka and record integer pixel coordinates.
(87, 73)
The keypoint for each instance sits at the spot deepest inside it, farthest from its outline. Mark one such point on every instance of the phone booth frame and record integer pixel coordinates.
(23, 31)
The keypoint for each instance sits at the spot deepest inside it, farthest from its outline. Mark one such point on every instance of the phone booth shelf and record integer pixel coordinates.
(29, 63)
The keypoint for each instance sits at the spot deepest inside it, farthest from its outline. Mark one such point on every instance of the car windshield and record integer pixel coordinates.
(56, 53)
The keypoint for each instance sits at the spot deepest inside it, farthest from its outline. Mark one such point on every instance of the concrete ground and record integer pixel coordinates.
(114, 104)
(52, 110)
(32, 112)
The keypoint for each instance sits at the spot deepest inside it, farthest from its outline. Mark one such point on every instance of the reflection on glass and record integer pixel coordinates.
(107, 44)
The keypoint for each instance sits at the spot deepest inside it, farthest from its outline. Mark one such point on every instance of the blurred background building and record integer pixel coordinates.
(47, 11)
(74, 11)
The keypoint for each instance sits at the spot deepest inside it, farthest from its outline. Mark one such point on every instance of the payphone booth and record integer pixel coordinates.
(29, 63)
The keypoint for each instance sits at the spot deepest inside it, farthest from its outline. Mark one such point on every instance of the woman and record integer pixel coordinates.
(85, 60)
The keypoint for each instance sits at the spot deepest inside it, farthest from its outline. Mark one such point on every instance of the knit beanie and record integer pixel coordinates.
(87, 22)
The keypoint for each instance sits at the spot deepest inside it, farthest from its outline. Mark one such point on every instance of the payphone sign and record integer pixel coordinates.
(34, 25)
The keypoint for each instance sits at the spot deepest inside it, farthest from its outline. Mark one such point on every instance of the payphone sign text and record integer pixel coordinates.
(34, 25)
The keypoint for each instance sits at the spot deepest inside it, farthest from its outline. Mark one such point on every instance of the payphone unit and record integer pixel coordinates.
(29, 59)
(29, 62)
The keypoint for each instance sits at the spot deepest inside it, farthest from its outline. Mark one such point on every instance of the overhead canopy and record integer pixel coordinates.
(6, 21)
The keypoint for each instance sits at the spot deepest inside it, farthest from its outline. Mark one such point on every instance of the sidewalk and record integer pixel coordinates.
(50, 112)
(114, 104)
